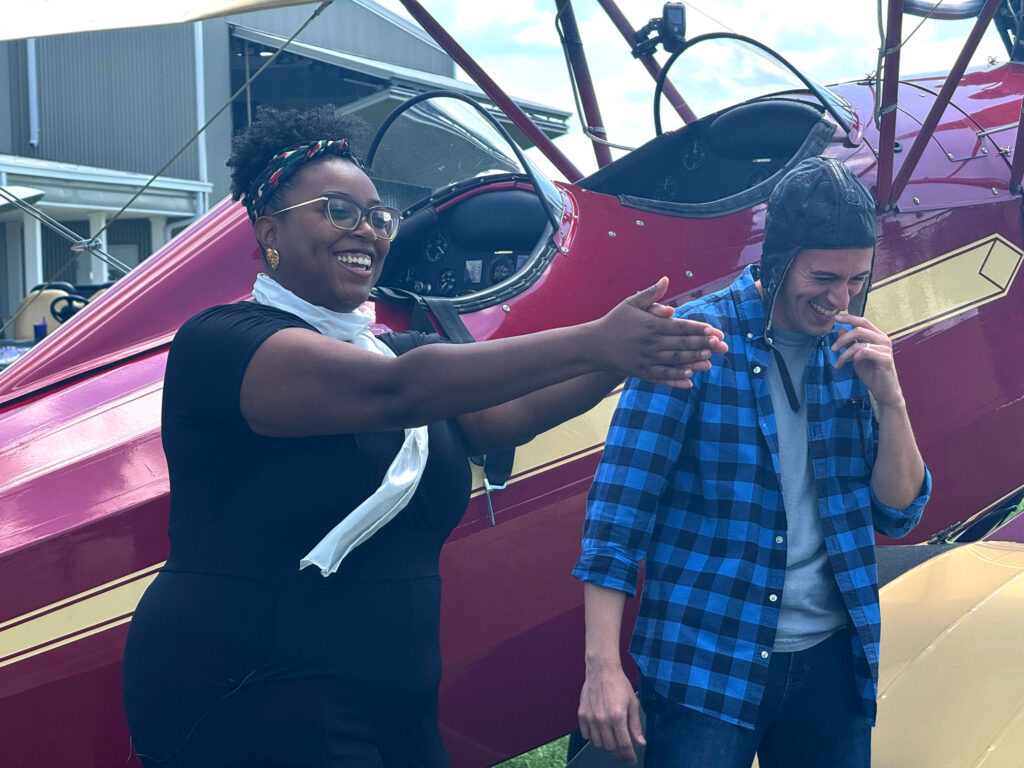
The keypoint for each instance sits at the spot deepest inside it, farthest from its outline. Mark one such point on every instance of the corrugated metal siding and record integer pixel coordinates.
(131, 232)
(17, 84)
(5, 98)
(123, 99)
(350, 28)
(217, 44)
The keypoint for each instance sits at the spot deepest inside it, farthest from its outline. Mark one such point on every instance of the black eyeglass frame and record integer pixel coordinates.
(364, 213)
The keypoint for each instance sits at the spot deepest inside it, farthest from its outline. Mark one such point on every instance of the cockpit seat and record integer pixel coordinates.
(716, 160)
(509, 219)
(779, 128)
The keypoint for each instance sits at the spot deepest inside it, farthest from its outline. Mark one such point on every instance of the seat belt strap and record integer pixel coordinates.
(497, 466)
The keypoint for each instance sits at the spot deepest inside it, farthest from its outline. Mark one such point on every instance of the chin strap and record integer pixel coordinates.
(787, 381)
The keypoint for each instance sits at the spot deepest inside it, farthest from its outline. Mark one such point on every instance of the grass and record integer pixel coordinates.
(550, 755)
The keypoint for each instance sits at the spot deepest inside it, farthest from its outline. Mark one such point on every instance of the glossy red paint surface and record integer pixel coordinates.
(83, 501)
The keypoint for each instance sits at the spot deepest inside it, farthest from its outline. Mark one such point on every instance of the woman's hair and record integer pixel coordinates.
(274, 130)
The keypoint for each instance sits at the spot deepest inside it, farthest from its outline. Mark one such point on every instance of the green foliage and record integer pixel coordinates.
(547, 756)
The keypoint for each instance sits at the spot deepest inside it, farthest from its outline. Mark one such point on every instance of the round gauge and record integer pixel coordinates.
(409, 277)
(693, 155)
(435, 247)
(446, 284)
(667, 189)
(502, 269)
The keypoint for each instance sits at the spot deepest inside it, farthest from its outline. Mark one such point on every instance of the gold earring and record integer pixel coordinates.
(273, 257)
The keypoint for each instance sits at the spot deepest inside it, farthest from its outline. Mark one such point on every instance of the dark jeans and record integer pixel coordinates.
(810, 716)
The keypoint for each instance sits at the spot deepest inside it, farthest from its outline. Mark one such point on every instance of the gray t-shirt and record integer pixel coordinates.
(811, 608)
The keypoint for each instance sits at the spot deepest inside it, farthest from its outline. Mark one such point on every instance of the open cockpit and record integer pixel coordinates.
(486, 237)
(720, 163)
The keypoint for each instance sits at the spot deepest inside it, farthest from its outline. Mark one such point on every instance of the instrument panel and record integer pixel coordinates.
(466, 246)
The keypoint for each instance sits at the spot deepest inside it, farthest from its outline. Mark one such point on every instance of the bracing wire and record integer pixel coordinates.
(320, 9)
(882, 53)
(91, 245)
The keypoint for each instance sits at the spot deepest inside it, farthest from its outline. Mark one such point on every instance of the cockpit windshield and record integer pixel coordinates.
(719, 70)
(440, 144)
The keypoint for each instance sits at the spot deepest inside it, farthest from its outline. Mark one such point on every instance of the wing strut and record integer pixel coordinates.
(582, 82)
(941, 101)
(1017, 169)
(888, 103)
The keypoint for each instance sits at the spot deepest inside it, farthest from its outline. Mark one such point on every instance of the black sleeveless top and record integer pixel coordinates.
(236, 657)
(247, 505)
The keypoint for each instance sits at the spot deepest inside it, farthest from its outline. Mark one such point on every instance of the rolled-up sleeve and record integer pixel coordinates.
(897, 523)
(642, 447)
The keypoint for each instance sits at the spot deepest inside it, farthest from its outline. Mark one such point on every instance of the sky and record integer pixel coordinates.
(516, 43)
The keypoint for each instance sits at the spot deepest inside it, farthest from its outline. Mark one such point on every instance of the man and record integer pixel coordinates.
(751, 499)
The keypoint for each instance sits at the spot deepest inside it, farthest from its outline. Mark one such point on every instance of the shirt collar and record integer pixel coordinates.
(749, 306)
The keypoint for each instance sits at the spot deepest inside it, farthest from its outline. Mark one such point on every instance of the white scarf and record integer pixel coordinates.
(403, 476)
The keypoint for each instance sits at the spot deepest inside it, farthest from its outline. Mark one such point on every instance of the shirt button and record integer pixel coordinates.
(773, 598)
(778, 539)
(750, 335)
(764, 654)
(757, 369)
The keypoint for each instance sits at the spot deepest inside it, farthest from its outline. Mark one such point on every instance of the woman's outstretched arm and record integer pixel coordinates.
(300, 383)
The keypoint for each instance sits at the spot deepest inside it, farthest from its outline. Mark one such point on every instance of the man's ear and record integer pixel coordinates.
(265, 228)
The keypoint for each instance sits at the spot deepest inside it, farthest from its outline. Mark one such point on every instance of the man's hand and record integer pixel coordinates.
(609, 711)
(871, 353)
(640, 338)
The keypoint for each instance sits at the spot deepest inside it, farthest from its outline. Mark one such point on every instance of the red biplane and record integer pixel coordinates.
(492, 248)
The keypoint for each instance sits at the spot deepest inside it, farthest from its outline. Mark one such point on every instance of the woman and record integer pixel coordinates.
(276, 428)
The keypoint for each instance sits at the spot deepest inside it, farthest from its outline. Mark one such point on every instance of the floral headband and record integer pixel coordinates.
(283, 166)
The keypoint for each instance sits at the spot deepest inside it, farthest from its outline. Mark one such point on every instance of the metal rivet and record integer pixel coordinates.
(949, 155)
(639, 223)
(506, 308)
(563, 249)
(917, 200)
(689, 273)
(995, 191)
(611, 234)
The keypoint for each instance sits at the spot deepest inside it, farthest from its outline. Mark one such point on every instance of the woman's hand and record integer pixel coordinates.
(640, 338)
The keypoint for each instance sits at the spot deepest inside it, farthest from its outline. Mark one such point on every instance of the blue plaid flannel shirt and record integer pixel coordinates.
(689, 483)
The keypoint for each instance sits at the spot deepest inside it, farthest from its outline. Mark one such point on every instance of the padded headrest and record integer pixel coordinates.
(769, 128)
(509, 219)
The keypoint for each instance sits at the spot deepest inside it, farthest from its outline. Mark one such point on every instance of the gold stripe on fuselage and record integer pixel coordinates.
(944, 287)
(77, 617)
(908, 301)
(577, 438)
(112, 604)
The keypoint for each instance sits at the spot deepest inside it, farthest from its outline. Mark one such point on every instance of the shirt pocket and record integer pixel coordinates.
(853, 437)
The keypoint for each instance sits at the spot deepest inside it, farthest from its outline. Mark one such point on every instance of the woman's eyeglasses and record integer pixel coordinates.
(346, 214)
